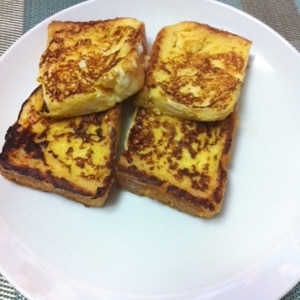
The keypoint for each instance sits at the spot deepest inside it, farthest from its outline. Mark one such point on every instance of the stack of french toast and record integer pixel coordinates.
(178, 145)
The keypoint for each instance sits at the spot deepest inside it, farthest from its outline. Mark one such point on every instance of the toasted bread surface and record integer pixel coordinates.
(194, 72)
(179, 162)
(91, 66)
(73, 157)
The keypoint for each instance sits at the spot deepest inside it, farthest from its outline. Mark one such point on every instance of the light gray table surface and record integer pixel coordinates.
(18, 16)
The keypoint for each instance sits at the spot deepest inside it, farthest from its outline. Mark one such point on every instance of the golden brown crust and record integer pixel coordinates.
(179, 162)
(194, 72)
(91, 66)
(73, 157)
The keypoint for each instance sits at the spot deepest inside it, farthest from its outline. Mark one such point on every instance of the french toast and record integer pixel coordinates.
(181, 163)
(73, 157)
(91, 66)
(194, 72)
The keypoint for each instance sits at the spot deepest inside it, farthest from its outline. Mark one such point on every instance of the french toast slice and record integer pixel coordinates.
(73, 157)
(91, 66)
(194, 72)
(181, 163)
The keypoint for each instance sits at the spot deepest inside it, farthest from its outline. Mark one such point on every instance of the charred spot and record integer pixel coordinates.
(80, 162)
(202, 183)
(186, 196)
(17, 138)
(231, 60)
(218, 193)
(23, 170)
(127, 156)
(153, 181)
(62, 183)
(142, 176)
(101, 191)
(70, 151)
(140, 136)
(44, 108)
(53, 154)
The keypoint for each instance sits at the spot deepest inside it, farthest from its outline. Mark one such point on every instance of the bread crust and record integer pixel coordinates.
(91, 66)
(72, 157)
(194, 72)
(181, 163)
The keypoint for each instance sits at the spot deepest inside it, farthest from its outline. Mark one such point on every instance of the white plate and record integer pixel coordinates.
(52, 248)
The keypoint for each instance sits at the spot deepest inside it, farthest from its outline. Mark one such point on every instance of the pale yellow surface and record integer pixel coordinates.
(76, 149)
(91, 66)
(195, 72)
